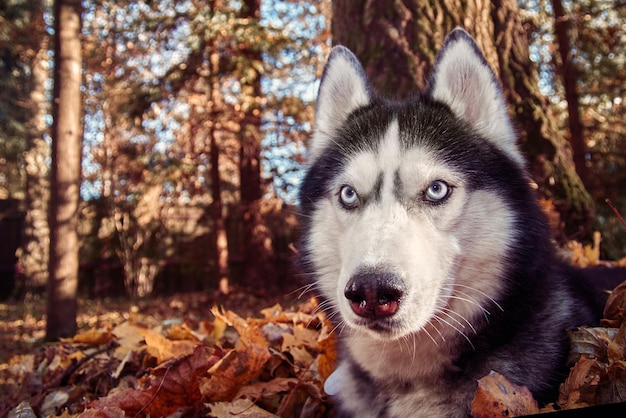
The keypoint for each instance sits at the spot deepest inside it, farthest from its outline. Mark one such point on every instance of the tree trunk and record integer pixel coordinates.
(36, 237)
(65, 175)
(257, 247)
(569, 75)
(219, 227)
(398, 43)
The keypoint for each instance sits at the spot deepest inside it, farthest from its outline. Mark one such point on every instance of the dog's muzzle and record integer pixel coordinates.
(375, 293)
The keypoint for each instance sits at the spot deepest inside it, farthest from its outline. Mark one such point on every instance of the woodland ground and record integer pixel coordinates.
(22, 324)
(263, 353)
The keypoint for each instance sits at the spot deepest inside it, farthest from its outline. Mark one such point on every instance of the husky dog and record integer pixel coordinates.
(425, 241)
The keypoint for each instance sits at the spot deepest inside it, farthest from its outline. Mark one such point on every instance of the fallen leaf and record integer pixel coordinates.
(129, 338)
(92, 337)
(305, 336)
(579, 389)
(241, 408)
(498, 397)
(104, 412)
(234, 370)
(172, 387)
(23, 410)
(590, 343)
(615, 308)
(247, 331)
(263, 389)
(327, 359)
(54, 400)
(182, 332)
(164, 349)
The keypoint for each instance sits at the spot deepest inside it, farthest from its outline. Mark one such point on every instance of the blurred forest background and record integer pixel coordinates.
(194, 119)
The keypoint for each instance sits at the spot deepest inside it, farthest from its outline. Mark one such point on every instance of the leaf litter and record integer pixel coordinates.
(274, 365)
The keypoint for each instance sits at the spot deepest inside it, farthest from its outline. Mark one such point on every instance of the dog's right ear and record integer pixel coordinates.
(343, 89)
(464, 81)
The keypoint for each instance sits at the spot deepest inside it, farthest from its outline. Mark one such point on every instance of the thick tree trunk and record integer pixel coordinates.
(65, 176)
(398, 43)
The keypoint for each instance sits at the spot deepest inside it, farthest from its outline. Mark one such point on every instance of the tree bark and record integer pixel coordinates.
(569, 75)
(36, 236)
(65, 173)
(397, 43)
(257, 251)
(219, 226)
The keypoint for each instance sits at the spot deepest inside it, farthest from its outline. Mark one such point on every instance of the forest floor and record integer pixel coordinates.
(22, 324)
(260, 354)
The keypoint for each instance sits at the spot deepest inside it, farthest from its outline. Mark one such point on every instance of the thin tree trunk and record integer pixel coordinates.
(569, 75)
(257, 251)
(219, 227)
(35, 243)
(65, 175)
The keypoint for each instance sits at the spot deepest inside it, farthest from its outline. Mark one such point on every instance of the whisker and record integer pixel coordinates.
(456, 321)
(443, 338)
(408, 342)
(481, 293)
(339, 326)
(449, 312)
(431, 337)
(440, 320)
(302, 290)
(469, 299)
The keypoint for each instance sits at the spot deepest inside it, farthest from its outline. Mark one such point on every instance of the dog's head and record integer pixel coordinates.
(408, 207)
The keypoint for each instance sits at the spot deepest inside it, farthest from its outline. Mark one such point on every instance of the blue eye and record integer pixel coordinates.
(437, 191)
(348, 197)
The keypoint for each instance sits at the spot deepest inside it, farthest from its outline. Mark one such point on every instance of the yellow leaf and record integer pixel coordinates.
(92, 337)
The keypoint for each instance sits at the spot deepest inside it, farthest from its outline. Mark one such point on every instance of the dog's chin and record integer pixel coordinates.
(378, 329)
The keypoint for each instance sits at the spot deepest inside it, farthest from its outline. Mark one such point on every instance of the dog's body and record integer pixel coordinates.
(426, 243)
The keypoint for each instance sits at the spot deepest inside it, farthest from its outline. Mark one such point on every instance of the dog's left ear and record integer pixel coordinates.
(463, 80)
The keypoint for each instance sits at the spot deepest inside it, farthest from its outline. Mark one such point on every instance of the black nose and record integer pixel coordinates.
(375, 293)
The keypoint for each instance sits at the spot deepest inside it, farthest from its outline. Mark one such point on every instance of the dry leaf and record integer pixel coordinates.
(579, 390)
(171, 388)
(327, 358)
(129, 338)
(247, 331)
(615, 308)
(181, 371)
(305, 336)
(590, 343)
(498, 397)
(263, 389)
(234, 370)
(23, 410)
(241, 408)
(92, 337)
(164, 349)
(182, 332)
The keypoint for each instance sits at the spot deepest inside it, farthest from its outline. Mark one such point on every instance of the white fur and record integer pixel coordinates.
(433, 249)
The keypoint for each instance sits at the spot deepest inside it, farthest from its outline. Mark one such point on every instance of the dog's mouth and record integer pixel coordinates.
(382, 328)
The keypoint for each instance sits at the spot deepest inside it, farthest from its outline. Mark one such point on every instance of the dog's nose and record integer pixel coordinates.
(374, 293)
